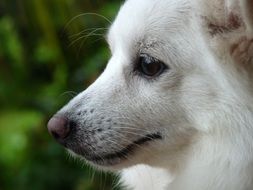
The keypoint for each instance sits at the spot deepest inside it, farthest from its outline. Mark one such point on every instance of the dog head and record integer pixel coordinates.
(155, 96)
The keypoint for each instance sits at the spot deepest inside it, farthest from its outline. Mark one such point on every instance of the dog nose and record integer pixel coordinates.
(59, 128)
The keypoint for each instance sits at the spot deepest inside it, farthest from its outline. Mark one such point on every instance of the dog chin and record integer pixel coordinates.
(114, 164)
(126, 157)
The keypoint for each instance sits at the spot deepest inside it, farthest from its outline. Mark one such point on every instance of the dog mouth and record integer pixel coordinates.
(117, 157)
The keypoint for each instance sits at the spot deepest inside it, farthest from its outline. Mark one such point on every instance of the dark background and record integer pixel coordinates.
(49, 51)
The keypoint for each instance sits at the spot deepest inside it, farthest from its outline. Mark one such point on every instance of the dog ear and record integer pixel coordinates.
(242, 50)
(225, 16)
(244, 9)
(247, 13)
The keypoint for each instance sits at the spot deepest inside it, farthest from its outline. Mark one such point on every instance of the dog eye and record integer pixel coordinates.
(150, 66)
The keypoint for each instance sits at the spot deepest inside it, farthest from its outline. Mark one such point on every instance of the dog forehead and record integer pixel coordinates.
(139, 19)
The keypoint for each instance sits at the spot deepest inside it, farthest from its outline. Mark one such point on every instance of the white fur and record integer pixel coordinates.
(203, 104)
(221, 157)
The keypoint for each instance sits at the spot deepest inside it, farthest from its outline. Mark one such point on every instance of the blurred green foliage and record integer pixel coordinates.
(49, 50)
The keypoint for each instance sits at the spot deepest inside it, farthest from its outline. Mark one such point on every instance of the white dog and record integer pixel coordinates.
(173, 109)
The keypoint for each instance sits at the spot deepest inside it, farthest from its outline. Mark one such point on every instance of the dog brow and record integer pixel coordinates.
(148, 43)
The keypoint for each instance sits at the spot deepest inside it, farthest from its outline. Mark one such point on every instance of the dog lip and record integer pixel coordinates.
(114, 158)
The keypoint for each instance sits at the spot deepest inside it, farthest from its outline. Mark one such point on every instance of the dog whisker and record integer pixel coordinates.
(86, 31)
(71, 93)
(86, 14)
(84, 37)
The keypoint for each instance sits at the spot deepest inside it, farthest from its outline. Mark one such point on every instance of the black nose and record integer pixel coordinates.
(59, 128)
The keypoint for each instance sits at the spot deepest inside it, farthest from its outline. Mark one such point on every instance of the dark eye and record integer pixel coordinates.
(150, 66)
